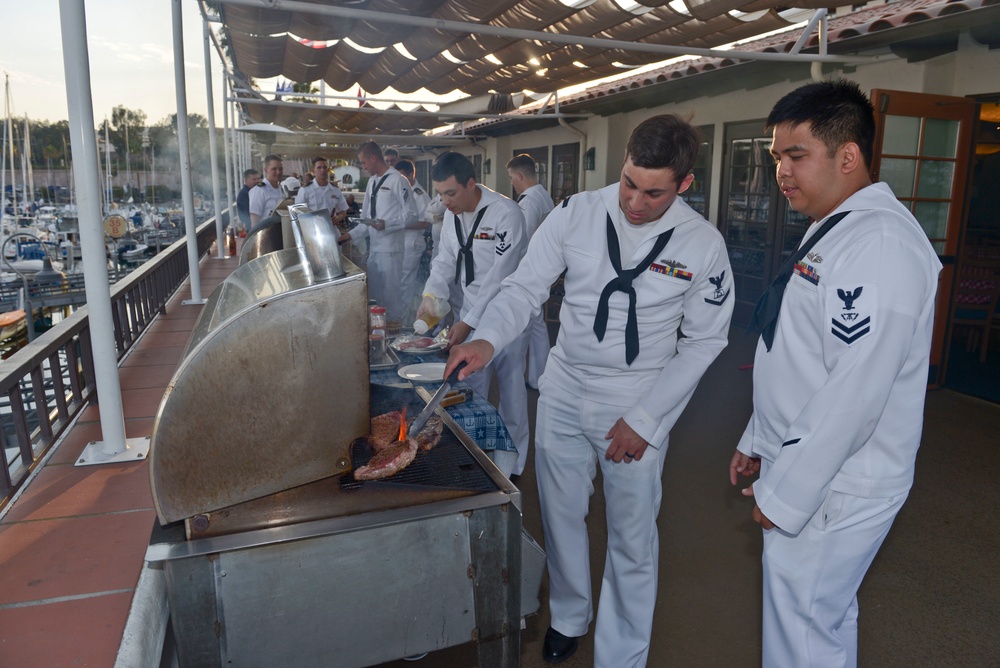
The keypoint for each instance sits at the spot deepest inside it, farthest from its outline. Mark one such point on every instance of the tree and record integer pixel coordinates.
(306, 87)
(135, 121)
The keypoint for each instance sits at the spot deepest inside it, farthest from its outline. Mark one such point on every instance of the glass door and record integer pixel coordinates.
(922, 151)
(760, 228)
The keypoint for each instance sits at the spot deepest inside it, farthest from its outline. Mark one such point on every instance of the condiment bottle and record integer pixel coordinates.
(376, 334)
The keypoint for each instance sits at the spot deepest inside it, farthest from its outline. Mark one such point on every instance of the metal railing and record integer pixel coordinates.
(47, 383)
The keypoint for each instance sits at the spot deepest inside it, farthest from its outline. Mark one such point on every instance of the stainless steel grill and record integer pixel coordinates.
(273, 554)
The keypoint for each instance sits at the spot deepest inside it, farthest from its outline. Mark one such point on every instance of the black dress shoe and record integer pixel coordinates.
(557, 647)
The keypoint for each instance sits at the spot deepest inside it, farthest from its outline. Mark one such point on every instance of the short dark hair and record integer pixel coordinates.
(390, 151)
(666, 141)
(405, 167)
(318, 158)
(453, 164)
(524, 163)
(837, 111)
(250, 172)
(270, 158)
(372, 149)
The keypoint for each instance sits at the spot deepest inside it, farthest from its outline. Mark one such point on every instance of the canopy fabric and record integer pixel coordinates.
(364, 120)
(269, 42)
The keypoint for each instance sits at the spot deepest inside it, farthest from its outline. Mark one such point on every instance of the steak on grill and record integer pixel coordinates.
(431, 433)
(388, 461)
(385, 430)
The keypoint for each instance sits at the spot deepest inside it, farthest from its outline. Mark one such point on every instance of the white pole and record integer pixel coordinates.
(226, 143)
(213, 150)
(76, 61)
(184, 146)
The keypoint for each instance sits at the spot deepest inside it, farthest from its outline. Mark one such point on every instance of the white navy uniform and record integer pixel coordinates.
(392, 199)
(414, 247)
(264, 197)
(838, 411)
(318, 198)
(588, 385)
(498, 245)
(435, 213)
(536, 203)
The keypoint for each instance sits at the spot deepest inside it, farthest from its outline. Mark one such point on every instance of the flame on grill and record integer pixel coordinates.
(402, 424)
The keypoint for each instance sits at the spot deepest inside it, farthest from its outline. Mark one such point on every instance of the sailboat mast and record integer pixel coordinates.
(128, 169)
(30, 182)
(3, 177)
(10, 146)
(107, 162)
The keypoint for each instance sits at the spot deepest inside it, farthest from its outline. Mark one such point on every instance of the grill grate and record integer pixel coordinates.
(449, 465)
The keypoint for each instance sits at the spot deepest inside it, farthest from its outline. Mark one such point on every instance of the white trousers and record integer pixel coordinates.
(811, 582)
(413, 250)
(384, 282)
(509, 369)
(538, 347)
(569, 445)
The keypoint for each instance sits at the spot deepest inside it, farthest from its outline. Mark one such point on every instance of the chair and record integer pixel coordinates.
(976, 297)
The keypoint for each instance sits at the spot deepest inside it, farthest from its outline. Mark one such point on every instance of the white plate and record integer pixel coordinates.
(428, 372)
(433, 348)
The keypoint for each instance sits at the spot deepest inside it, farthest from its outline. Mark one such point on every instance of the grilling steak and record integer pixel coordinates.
(388, 461)
(385, 430)
(431, 433)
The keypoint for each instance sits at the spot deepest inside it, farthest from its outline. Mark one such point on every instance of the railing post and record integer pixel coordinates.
(76, 61)
(184, 148)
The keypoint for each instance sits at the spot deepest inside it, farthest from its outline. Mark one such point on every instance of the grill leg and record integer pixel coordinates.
(496, 553)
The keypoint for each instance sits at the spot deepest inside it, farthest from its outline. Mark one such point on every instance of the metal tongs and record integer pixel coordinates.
(421, 420)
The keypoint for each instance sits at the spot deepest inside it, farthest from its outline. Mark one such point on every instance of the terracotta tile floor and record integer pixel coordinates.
(72, 544)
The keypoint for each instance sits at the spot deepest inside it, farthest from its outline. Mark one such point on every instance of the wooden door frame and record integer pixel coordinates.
(928, 105)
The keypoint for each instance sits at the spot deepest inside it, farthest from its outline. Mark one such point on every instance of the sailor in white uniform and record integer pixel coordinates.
(414, 242)
(267, 194)
(389, 202)
(839, 378)
(482, 242)
(641, 266)
(322, 195)
(536, 203)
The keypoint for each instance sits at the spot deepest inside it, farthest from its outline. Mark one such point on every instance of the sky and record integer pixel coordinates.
(131, 58)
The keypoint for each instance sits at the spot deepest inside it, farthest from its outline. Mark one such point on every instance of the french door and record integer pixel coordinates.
(922, 151)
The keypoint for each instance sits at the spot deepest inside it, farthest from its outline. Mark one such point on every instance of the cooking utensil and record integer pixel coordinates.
(421, 420)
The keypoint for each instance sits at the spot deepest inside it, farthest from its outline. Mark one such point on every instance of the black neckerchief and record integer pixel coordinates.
(378, 186)
(465, 248)
(765, 313)
(623, 283)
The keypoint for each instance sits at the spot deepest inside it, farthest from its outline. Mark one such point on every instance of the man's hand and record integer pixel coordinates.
(426, 307)
(379, 225)
(476, 353)
(343, 238)
(758, 517)
(459, 333)
(626, 445)
(743, 465)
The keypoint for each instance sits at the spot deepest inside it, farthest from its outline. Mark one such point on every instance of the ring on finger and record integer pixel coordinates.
(630, 455)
